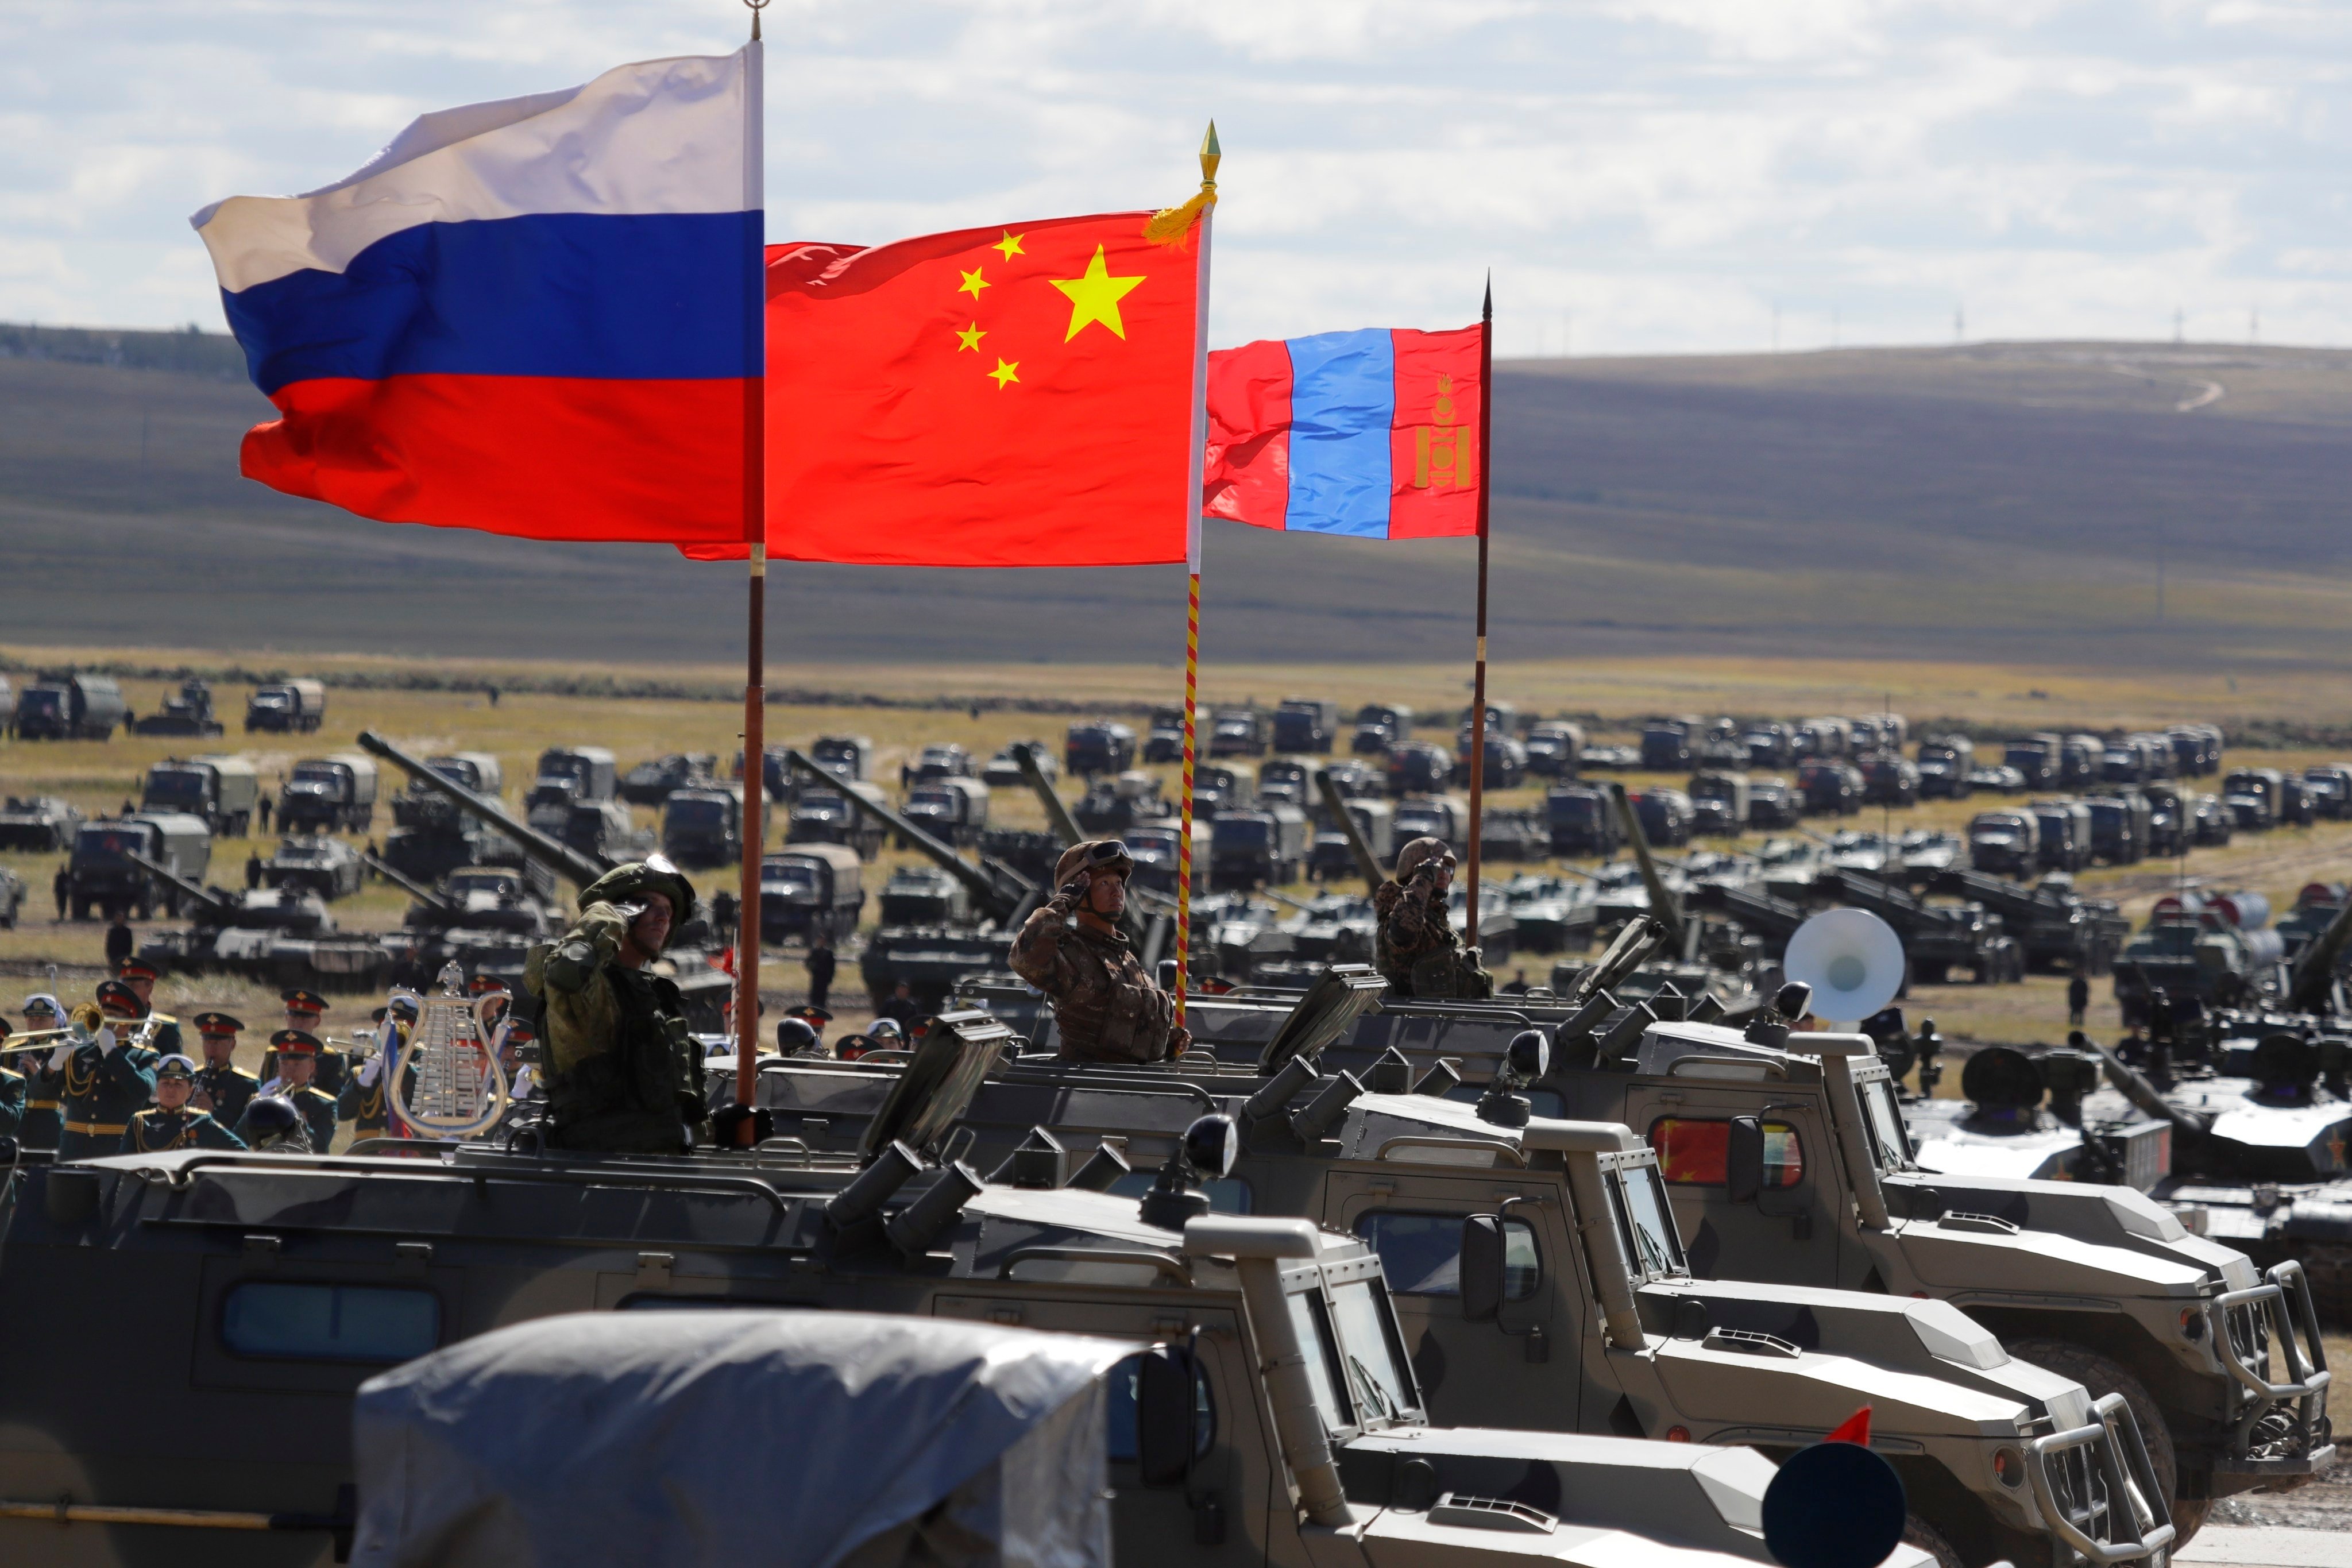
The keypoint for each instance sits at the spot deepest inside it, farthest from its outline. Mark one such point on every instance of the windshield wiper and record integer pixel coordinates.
(1371, 1389)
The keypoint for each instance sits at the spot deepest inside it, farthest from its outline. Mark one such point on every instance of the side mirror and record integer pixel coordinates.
(1166, 1407)
(1743, 1159)
(1481, 1267)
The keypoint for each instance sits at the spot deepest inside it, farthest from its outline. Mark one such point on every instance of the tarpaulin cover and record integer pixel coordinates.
(803, 1439)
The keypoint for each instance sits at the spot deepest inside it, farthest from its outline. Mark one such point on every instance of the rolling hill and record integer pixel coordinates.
(2004, 503)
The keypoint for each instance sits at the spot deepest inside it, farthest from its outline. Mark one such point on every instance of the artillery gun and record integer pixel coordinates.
(190, 713)
(2056, 927)
(1936, 938)
(280, 936)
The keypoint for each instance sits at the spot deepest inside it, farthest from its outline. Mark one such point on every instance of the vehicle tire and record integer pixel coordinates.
(1918, 1532)
(2103, 1377)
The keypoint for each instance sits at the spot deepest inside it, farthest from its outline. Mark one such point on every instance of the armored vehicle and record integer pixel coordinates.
(221, 790)
(2120, 824)
(2171, 826)
(1666, 744)
(1945, 763)
(1004, 770)
(1097, 746)
(40, 823)
(12, 898)
(925, 895)
(1928, 853)
(1417, 767)
(2000, 778)
(1378, 726)
(1270, 1350)
(1720, 804)
(1551, 914)
(832, 812)
(1541, 1281)
(1112, 806)
(940, 760)
(1936, 938)
(2213, 947)
(106, 871)
(432, 836)
(2254, 796)
(1306, 724)
(2005, 843)
(654, 781)
(278, 936)
(286, 707)
(2055, 928)
(1257, 848)
(1666, 816)
(330, 794)
(1554, 749)
(591, 768)
(188, 712)
(2039, 757)
(1830, 788)
(1356, 834)
(1222, 786)
(1888, 780)
(326, 866)
(1240, 733)
(821, 887)
(70, 708)
(953, 809)
(1506, 760)
(702, 825)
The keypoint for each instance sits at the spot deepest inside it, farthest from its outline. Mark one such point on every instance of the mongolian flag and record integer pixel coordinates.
(1022, 394)
(1372, 434)
(536, 317)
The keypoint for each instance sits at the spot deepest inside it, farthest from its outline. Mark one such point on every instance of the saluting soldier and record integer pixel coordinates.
(223, 1088)
(140, 976)
(1417, 947)
(171, 1122)
(42, 1120)
(307, 1010)
(365, 1101)
(106, 1079)
(297, 1064)
(1071, 948)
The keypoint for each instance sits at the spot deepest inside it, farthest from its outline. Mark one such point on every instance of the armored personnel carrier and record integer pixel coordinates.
(41, 823)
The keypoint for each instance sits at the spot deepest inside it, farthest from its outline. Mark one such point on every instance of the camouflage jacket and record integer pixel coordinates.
(618, 1054)
(1419, 950)
(1108, 1008)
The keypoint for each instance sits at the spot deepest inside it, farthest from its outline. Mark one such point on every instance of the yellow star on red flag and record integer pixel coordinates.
(1095, 295)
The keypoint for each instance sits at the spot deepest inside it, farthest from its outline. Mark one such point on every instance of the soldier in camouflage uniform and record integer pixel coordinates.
(1109, 1010)
(1418, 950)
(622, 1073)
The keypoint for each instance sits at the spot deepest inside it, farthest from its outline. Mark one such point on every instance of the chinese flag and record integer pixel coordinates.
(1017, 395)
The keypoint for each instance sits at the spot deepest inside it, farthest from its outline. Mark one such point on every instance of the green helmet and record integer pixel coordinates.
(634, 880)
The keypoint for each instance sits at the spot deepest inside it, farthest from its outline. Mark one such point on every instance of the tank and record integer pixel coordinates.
(279, 936)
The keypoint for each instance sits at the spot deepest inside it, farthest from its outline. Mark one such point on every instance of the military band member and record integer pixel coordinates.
(365, 1101)
(297, 1063)
(1072, 949)
(271, 1125)
(11, 1092)
(140, 976)
(1417, 948)
(105, 1081)
(307, 1010)
(42, 1120)
(171, 1122)
(222, 1089)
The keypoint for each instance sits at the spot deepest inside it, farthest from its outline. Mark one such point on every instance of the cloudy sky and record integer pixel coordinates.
(1642, 175)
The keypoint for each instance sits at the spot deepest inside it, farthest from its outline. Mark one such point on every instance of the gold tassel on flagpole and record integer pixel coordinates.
(1174, 225)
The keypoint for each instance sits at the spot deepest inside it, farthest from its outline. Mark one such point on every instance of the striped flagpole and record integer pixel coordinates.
(1210, 156)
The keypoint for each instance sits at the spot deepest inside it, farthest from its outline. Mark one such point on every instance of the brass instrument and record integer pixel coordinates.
(453, 1051)
(144, 1036)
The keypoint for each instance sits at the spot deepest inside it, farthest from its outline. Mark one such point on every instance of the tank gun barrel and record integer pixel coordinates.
(1663, 905)
(1367, 864)
(179, 884)
(2314, 969)
(1058, 815)
(409, 885)
(997, 890)
(564, 860)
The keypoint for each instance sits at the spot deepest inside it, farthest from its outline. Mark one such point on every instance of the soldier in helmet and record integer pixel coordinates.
(621, 1069)
(797, 1037)
(1073, 951)
(271, 1125)
(1418, 949)
(171, 1122)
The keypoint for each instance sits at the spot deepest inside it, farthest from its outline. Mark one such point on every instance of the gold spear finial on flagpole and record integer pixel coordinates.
(1210, 157)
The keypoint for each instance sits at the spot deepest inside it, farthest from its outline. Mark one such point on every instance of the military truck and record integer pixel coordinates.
(1829, 740)
(1378, 726)
(1945, 763)
(1719, 802)
(1222, 786)
(70, 708)
(1769, 744)
(594, 774)
(1285, 778)
(189, 711)
(1095, 746)
(940, 760)
(1164, 739)
(1113, 805)
(1239, 732)
(2037, 756)
(836, 813)
(1270, 1349)
(221, 790)
(1541, 1281)
(1666, 815)
(1417, 767)
(1667, 741)
(2120, 824)
(2005, 843)
(849, 758)
(952, 809)
(654, 780)
(1506, 760)
(1889, 780)
(329, 795)
(1554, 749)
(1263, 847)
(1333, 857)
(1004, 770)
(286, 707)
(326, 866)
(816, 887)
(102, 874)
(1445, 817)
(1830, 788)
(40, 823)
(1306, 724)
(702, 825)
(1583, 823)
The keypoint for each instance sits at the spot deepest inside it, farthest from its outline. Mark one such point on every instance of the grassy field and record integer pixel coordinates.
(99, 777)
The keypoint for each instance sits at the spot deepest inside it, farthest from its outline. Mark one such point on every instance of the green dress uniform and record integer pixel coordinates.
(167, 1037)
(12, 1102)
(230, 1088)
(104, 1089)
(334, 1068)
(366, 1105)
(42, 1121)
(155, 1130)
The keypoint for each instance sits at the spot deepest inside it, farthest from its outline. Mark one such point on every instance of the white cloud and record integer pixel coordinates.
(1665, 171)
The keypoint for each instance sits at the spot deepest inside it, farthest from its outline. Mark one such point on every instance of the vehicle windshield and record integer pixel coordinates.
(1311, 1320)
(109, 842)
(1372, 1351)
(455, 770)
(1889, 1136)
(1648, 1223)
(38, 701)
(787, 874)
(1247, 831)
(179, 784)
(685, 813)
(316, 772)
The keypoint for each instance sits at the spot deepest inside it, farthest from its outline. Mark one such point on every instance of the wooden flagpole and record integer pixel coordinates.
(1211, 155)
(1478, 676)
(755, 653)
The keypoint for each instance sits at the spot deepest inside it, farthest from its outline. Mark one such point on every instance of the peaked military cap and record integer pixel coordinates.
(819, 1016)
(114, 995)
(175, 1065)
(137, 969)
(217, 1023)
(306, 1001)
(295, 1042)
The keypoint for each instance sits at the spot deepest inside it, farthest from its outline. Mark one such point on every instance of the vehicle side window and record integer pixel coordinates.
(1692, 1152)
(1420, 1254)
(1312, 1324)
(283, 1321)
(1118, 1412)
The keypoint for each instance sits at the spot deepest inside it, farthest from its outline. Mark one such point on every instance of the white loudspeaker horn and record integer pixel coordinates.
(1852, 959)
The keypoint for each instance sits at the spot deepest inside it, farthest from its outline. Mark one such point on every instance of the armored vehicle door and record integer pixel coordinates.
(1474, 1373)
(1787, 1231)
(1224, 1512)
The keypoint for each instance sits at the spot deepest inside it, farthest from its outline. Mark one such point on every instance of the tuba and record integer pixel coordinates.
(453, 1055)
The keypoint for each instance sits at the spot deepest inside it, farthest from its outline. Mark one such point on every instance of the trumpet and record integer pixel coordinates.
(144, 1036)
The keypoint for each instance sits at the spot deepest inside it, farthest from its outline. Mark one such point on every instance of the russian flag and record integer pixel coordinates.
(540, 317)
(1372, 434)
